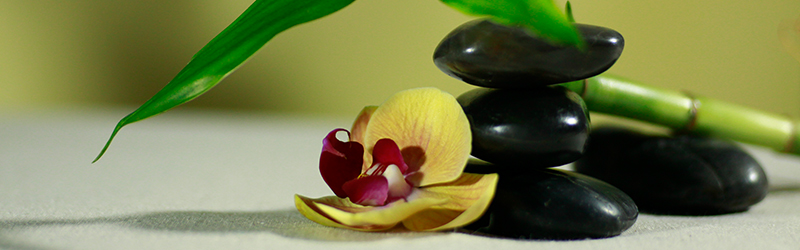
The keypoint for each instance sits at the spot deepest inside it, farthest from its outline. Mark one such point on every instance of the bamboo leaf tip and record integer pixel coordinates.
(103, 151)
(568, 10)
(110, 138)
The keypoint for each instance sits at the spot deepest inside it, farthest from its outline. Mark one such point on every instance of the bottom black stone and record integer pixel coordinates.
(553, 204)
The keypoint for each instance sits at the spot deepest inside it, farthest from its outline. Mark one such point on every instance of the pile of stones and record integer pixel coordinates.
(523, 124)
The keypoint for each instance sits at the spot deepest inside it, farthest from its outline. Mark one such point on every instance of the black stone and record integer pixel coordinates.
(488, 54)
(540, 127)
(553, 204)
(679, 175)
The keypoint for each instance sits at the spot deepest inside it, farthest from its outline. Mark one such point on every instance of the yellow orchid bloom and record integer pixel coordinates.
(411, 173)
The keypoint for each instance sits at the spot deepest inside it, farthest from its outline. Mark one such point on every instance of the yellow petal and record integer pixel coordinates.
(357, 132)
(307, 208)
(336, 212)
(360, 124)
(431, 130)
(468, 197)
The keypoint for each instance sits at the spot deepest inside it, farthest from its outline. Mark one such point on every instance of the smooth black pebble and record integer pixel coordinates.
(553, 204)
(679, 175)
(539, 127)
(488, 54)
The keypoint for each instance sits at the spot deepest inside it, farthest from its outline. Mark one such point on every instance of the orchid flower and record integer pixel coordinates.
(403, 164)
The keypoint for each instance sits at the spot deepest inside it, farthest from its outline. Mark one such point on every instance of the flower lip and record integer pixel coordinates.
(371, 190)
(340, 162)
(385, 153)
(379, 184)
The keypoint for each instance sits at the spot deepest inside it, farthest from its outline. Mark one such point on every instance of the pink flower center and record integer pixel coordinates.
(382, 183)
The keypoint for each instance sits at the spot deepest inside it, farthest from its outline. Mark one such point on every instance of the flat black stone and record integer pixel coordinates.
(538, 127)
(488, 54)
(553, 204)
(681, 175)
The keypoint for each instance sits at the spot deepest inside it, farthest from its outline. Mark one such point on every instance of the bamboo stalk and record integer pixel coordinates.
(684, 113)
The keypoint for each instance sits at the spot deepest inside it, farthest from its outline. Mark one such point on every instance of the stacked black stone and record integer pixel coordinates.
(522, 120)
(487, 54)
(552, 204)
(521, 126)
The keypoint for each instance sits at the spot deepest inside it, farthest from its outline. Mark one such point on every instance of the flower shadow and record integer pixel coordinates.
(287, 223)
(414, 156)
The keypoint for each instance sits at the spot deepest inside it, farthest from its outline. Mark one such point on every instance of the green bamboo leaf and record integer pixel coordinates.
(541, 16)
(227, 51)
(568, 9)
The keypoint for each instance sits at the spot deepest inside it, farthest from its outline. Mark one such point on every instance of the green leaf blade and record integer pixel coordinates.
(568, 10)
(227, 51)
(541, 16)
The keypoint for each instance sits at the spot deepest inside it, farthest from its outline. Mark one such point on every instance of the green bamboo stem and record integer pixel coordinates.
(685, 113)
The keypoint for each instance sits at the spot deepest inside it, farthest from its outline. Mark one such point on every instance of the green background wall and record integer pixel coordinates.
(84, 53)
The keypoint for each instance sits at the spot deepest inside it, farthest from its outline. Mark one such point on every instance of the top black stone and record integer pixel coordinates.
(488, 54)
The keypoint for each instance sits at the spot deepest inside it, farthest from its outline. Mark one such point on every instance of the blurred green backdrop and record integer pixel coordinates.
(85, 53)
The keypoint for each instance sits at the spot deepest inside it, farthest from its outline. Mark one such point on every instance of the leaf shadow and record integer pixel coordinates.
(287, 223)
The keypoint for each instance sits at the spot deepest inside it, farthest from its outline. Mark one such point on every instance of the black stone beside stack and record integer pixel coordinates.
(523, 126)
(675, 175)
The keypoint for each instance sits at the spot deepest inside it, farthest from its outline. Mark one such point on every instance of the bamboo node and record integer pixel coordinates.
(692, 123)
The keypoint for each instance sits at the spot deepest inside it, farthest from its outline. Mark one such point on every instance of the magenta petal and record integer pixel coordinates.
(386, 152)
(340, 162)
(368, 190)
